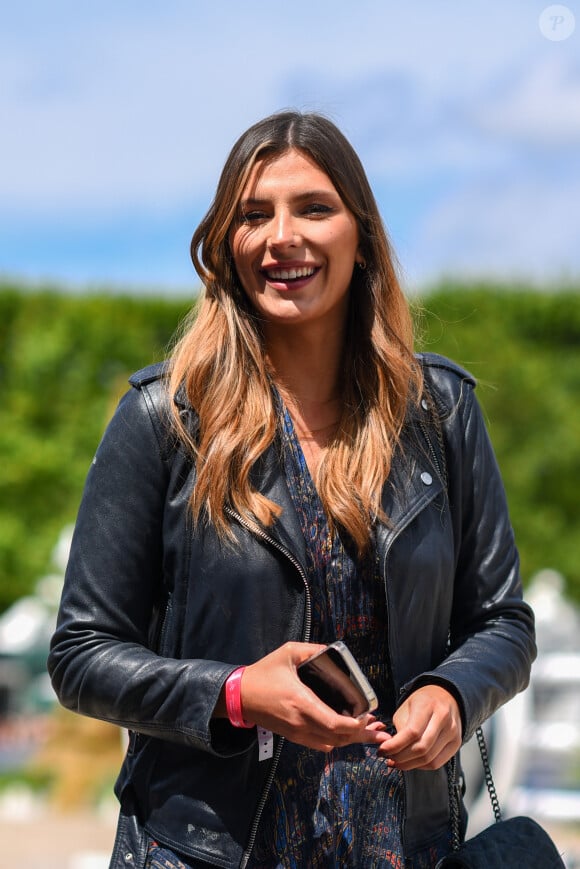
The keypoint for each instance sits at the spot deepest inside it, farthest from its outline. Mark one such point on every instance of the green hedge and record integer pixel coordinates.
(64, 361)
(524, 349)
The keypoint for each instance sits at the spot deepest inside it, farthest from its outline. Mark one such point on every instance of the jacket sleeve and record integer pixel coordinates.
(492, 628)
(102, 660)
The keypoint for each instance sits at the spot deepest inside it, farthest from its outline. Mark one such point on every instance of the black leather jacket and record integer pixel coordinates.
(155, 617)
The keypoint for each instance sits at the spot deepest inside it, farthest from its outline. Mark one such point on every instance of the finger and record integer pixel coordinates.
(396, 744)
(311, 722)
(300, 652)
(345, 730)
(365, 728)
(443, 756)
(411, 743)
(377, 726)
(438, 760)
(429, 752)
(417, 753)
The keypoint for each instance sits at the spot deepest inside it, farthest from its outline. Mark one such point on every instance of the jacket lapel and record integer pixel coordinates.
(268, 477)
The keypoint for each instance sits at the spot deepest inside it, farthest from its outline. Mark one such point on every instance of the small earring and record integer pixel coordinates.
(362, 265)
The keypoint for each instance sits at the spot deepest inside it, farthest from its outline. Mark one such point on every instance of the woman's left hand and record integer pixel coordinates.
(429, 730)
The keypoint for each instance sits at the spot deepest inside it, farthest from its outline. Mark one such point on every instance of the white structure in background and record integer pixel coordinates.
(25, 631)
(534, 740)
(550, 788)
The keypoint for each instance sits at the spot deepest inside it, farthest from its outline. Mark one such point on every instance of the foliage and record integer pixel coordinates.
(64, 361)
(524, 349)
(33, 780)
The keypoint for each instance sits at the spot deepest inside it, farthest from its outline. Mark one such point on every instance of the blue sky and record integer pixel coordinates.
(116, 119)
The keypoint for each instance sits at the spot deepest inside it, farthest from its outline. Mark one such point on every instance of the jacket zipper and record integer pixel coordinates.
(161, 642)
(305, 638)
(432, 451)
(390, 655)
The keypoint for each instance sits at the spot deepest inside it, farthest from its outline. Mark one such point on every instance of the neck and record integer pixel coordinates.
(308, 381)
(305, 366)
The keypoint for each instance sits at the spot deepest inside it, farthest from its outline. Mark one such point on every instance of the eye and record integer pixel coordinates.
(252, 215)
(317, 208)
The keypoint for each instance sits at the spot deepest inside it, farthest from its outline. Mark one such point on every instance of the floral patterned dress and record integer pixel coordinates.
(344, 808)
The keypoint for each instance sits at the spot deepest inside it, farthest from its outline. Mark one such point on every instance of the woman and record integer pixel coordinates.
(292, 476)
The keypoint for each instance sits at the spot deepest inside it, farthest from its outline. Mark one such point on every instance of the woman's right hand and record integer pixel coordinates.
(274, 697)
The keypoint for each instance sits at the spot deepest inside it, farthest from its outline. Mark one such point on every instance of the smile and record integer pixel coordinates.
(289, 274)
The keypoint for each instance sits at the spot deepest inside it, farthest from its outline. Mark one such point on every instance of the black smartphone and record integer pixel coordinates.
(337, 679)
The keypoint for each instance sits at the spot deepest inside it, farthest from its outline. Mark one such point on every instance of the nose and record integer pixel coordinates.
(283, 229)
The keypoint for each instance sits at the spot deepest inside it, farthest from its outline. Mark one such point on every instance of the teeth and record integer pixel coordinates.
(290, 274)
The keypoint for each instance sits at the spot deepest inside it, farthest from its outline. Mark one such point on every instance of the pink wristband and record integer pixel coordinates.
(234, 699)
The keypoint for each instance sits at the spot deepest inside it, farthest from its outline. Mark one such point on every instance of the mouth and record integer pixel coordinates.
(298, 273)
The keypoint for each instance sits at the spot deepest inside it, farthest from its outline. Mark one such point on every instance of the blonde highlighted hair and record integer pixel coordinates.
(220, 359)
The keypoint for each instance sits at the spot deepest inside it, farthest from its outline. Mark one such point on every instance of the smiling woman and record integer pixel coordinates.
(344, 317)
(294, 475)
(294, 245)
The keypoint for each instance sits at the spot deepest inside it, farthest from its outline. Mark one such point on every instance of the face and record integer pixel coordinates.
(294, 243)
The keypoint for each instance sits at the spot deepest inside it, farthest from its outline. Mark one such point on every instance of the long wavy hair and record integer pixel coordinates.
(220, 359)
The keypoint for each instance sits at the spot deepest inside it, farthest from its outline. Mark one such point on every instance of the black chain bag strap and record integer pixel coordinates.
(515, 843)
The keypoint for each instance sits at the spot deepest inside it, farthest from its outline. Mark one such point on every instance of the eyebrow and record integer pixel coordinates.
(307, 194)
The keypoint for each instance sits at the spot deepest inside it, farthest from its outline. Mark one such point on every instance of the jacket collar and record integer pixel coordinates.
(412, 484)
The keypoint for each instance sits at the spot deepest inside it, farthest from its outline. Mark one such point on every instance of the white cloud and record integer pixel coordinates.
(405, 131)
(540, 106)
(125, 113)
(518, 228)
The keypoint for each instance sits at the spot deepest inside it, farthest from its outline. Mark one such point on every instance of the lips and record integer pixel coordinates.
(289, 274)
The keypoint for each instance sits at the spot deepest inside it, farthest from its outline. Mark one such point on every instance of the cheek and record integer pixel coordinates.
(244, 253)
(344, 240)
(244, 243)
(345, 250)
